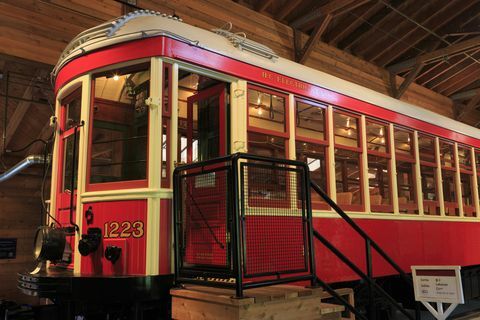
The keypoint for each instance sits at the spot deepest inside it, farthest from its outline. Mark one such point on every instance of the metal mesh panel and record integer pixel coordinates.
(274, 220)
(204, 212)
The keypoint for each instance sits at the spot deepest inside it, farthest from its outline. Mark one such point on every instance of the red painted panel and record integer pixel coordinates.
(131, 216)
(165, 236)
(408, 242)
(160, 46)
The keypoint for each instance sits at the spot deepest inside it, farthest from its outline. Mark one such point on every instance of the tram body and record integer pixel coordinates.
(146, 92)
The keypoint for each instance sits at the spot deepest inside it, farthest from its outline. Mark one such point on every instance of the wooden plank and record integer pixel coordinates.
(287, 8)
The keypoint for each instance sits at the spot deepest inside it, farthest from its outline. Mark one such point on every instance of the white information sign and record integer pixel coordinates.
(440, 284)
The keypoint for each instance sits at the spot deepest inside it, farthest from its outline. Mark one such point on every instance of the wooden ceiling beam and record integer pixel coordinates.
(439, 20)
(471, 106)
(348, 26)
(461, 81)
(372, 30)
(330, 8)
(436, 55)
(457, 69)
(262, 5)
(394, 30)
(302, 55)
(398, 92)
(287, 9)
(465, 94)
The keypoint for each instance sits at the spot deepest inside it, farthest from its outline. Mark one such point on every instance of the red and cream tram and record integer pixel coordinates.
(143, 93)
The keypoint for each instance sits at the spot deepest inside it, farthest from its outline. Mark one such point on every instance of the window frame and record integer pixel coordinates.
(381, 208)
(120, 185)
(316, 205)
(358, 150)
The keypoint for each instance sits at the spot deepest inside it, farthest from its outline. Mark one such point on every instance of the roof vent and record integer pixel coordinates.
(240, 41)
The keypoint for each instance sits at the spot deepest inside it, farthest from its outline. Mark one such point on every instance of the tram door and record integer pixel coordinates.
(68, 161)
(206, 124)
(206, 193)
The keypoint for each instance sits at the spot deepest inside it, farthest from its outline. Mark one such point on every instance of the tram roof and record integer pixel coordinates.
(145, 23)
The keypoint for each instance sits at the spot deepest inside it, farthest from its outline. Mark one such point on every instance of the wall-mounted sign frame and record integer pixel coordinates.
(438, 284)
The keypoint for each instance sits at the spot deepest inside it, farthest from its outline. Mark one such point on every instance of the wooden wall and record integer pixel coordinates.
(39, 30)
(20, 214)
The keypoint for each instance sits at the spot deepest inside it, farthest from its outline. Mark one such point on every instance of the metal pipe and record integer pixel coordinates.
(22, 165)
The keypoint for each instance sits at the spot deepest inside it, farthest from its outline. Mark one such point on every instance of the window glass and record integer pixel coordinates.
(403, 142)
(405, 187)
(68, 164)
(266, 110)
(426, 146)
(348, 177)
(310, 120)
(464, 158)
(379, 184)
(120, 126)
(314, 156)
(72, 111)
(429, 190)
(377, 137)
(345, 129)
(266, 145)
(449, 193)
(467, 195)
(447, 157)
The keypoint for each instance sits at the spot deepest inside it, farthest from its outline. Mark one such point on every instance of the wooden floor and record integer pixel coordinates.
(281, 302)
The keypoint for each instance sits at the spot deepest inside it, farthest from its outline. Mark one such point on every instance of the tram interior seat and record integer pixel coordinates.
(344, 198)
(376, 199)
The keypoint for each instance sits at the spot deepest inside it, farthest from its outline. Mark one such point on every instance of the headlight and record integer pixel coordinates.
(49, 244)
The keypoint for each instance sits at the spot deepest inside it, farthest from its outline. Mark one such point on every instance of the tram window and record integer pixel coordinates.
(403, 142)
(449, 193)
(314, 156)
(310, 120)
(447, 157)
(465, 158)
(266, 145)
(266, 110)
(405, 158)
(348, 179)
(377, 136)
(426, 146)
(67, 164)
(379, 184)
(120, 125)
(429, 190)
(72, 111)
(407, 201)
(345, 129)
(466, 180)
(166, 125)
(467, 195)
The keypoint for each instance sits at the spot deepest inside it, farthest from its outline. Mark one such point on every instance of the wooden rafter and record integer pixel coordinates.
(462, 80)
(348, 26)
(332, 8)
(471, 105)
(436, 55)
(439, 19)
(398, 92)
(287, 9)
(303, 54)
(262, 5)
(465, 94)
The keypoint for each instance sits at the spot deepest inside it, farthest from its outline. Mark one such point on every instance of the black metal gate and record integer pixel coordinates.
(243, 221)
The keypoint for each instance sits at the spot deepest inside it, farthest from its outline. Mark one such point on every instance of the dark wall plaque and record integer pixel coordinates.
(8, 248)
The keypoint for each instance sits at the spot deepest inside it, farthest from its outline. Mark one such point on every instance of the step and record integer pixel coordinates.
(281, 302)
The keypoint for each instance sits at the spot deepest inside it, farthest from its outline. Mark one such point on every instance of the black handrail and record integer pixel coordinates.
(370, 243)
